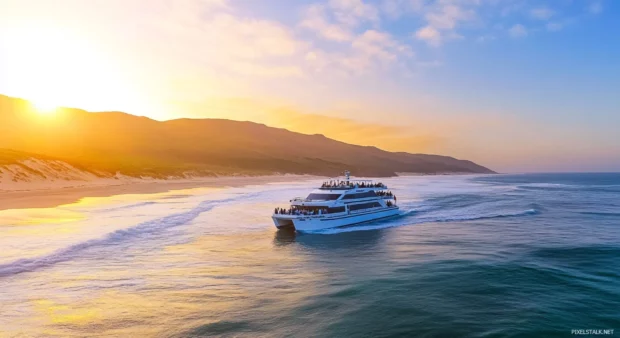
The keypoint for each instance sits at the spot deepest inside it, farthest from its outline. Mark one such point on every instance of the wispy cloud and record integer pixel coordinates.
(446, 16)
(353, 12)
(360, 45)
(595, 7)
(337, 19)
(370, 51)
(554, 26)
(542, 13)
(316, 20)
(429, 34)
(485, 38)
(442, 19)
(518, 31)
(393, 8)
(381, 45)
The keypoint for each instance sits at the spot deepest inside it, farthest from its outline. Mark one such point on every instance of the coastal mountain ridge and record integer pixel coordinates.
(109, 143)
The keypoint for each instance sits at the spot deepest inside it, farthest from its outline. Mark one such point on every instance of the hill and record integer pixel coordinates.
(111, 142)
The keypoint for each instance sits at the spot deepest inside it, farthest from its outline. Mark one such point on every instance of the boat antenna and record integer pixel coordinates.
(347, 174)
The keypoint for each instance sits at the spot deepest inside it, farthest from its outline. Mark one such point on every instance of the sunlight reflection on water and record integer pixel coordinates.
(208, 262)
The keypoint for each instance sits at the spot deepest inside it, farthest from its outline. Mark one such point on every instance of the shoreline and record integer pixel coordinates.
(37, 195)
(53, 197)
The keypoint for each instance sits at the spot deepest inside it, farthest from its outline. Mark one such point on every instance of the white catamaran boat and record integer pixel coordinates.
(338, 203)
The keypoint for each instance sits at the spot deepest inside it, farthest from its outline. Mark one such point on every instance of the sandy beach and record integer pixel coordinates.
(43, 196)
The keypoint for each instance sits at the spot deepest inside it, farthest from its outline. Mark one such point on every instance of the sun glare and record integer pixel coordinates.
(44, 107)
(53, 66)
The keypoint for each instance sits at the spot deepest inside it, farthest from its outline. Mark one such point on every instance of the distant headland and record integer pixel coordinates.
(75, 144)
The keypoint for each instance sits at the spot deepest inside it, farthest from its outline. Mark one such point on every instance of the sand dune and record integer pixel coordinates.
(43, 174)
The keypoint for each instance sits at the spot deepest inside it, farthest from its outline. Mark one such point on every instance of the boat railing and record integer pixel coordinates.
(353, 186)
(342, 187)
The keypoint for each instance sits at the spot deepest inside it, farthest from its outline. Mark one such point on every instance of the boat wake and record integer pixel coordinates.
(414, 216)
(140, 231)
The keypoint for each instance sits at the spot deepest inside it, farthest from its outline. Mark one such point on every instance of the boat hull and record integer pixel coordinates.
(312, 223)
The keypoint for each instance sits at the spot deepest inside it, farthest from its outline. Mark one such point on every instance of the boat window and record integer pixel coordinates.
(336, 209)
(364, 206)
(322, 197)
(360, 195)
(310, 208)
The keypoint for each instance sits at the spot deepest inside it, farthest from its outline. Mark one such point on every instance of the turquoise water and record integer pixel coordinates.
(471, 256)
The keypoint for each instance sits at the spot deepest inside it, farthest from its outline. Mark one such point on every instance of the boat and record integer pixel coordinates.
(338, 203)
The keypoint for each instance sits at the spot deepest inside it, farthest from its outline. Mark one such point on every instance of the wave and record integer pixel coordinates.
(476, 217)
(569, 187)
(128, 206)
(549, 185)
(600, 213)
(143, 229)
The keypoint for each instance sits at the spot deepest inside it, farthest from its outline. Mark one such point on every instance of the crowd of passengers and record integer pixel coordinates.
(340, 184)
(291, 211)
(384, 193)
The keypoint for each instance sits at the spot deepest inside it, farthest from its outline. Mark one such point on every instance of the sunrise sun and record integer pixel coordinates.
(44, 106)
(54, 66)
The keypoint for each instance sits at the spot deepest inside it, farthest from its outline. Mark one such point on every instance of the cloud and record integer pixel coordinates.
(447, 16)
(316, 20)
(443, 16)
(210, 38)
(595, 8)
(485, 38)
(249, 38)
(429, 64)
(381, 45)
(253, 69)
(353, 12)
(541, 13)
(444, 20)
(518, 31)
(357, 45)
(336, 19)
(554, 26)
(370, 51)
(230, 45)
(393, 8)
(429, 34)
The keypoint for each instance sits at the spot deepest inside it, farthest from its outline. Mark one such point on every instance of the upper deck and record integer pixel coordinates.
(352, 184)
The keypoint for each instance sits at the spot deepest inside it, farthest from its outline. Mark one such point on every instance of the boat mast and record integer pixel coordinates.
(347, 174)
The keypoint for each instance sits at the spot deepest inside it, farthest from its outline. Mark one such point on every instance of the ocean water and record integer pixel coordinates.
(471, 256)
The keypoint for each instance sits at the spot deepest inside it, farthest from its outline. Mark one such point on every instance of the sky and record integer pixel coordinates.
(515, 85)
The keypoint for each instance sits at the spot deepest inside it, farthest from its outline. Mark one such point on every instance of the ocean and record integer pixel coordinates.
(471, 256)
